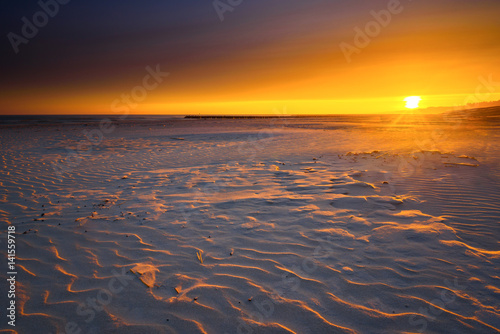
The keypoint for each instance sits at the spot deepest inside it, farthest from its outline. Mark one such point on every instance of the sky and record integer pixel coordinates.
(246, 56)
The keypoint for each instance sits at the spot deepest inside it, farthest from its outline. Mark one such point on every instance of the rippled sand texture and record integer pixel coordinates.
(303, 226)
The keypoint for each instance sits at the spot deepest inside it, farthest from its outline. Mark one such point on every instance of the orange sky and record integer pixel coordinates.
(262, 59)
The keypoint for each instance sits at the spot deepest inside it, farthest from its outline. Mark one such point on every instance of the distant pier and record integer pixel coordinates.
(234, 117)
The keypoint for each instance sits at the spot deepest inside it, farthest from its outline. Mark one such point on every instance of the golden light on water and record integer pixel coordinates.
(412, 102)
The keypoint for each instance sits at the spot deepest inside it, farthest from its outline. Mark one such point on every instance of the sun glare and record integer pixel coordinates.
(412, 102)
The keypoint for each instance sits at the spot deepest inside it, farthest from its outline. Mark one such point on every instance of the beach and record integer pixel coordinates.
(342, 224)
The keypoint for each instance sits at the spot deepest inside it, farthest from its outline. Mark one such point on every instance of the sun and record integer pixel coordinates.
(412, 102)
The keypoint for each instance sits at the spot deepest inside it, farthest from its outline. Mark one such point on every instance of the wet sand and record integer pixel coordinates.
(290, 225)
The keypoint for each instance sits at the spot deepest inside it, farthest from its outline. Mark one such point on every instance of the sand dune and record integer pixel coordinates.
(302, 229)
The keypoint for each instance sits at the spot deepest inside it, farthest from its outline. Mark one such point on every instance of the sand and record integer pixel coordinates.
(310, 225)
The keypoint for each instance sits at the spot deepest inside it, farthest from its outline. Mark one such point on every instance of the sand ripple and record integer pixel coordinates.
(342, 243)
